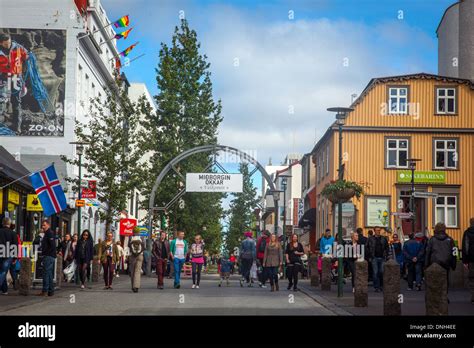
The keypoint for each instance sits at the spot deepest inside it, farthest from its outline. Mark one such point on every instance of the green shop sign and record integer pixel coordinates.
(422, 177)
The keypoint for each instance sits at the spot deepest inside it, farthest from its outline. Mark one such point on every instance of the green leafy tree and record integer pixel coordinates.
(112, 155)
(187, 116)
(241, 216)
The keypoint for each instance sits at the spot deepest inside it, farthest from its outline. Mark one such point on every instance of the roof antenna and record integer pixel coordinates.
(269, 161)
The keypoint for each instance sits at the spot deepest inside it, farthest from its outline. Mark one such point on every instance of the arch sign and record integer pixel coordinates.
(214, 182)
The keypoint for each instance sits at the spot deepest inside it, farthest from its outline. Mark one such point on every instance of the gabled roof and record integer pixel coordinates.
(400, 78)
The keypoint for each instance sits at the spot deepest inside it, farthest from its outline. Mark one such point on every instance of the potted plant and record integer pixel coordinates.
(340, 191)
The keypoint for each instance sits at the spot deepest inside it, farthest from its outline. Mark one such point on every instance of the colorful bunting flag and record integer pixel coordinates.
(123, 34)
(122, 22)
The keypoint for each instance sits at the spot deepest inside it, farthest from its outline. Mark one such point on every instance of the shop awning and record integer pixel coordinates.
(308, 219)
(12, 169)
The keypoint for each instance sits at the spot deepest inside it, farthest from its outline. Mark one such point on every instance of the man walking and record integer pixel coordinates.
(377, 246)
(161, 252)
(48, 251)
(247, 257)
(327, 243)
(7, 239)
(468, 255)
(413, 256)
(178, 252)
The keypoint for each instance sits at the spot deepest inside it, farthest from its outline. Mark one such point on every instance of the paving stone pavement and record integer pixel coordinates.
(208, 300)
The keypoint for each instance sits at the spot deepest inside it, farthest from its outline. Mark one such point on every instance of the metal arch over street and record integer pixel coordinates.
(206, 148)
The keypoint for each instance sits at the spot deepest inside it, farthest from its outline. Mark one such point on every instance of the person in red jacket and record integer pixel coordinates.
(261, 245)
(13, 57)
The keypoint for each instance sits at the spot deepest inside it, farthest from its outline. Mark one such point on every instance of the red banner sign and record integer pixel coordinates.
(91, 190)
(127, 226)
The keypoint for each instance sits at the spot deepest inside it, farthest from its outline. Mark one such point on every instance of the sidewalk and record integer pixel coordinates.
(413, 301)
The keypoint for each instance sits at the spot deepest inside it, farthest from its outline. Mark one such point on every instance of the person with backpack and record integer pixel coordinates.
(137, 247)
(247, 257)
(468, 255)
(440, 250)
(261, 246)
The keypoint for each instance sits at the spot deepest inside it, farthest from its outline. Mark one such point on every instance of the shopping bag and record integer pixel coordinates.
(70, 270)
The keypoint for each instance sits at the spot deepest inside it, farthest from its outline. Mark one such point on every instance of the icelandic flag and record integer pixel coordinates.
(49, 191)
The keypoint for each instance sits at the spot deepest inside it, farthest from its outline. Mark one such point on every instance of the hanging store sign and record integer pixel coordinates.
(422, 177)
(90, 191)
(213, 182)
(33, 203)
(13, 197)
(127, 226)
(298, 210)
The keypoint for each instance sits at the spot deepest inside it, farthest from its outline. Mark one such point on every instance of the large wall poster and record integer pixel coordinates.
(32, 82)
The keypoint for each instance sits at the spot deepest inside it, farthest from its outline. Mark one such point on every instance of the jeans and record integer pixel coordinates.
(272, 273)
(196, 269)
(377, 268)
(245, 266)
(48, 274)
(108, 271)
(414, 273)
(262, 274)
(4, 268)
(351, 265)
(160, 270)
(178, 265)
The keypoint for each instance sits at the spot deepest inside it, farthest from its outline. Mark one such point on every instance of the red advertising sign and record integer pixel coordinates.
(91, 190)
(127, 226)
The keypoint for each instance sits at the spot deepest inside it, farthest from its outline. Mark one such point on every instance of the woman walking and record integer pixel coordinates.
(108, 256)
(137, 247)
(83, 255)
(293, 253)
(197, 260)
(272, 261)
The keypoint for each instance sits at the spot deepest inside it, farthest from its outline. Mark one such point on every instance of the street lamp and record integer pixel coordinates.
(412, 166)
(276, 198)
(80, 145)
(341, 114)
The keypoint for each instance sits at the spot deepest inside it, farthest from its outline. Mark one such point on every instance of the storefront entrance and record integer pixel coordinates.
(420, 211)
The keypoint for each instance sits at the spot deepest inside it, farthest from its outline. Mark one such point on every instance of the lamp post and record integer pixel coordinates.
(341, 114)
(412, 165)
(80, 151)
(276, 198)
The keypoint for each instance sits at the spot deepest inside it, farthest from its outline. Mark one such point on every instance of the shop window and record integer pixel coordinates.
(446, 101)
(446, 210)
(445, 154)
(398, 100)
(396, 153)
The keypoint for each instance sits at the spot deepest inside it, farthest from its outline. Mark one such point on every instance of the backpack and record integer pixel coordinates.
(136, 247)
(263, 245)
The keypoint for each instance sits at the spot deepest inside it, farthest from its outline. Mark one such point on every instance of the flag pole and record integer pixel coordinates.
(118, 55)
(134, 59)
(24, 176)
(108, 25)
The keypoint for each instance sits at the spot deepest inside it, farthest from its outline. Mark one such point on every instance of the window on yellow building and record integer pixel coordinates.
(327, 160)
(397, 153)
(447, 211)
(445, 153)
(445, 100)
(398, 100)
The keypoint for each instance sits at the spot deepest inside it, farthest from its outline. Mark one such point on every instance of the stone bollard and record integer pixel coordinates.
(391, 288)
(436, 295)
(25, 276)
(361, 296)
(313, 267)
(59, 271)
(95, 269)
(326, 274)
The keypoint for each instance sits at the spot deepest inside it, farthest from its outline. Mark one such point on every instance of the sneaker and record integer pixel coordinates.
(353, 290)
(197, 286)
(178, 286)
(118, 276)
(241, 283)
(82, 287)
(220, 284)
(410, 289)
(296, 289)
(4, 293)
(264, 286)
(193, 287)
(418, 288)
(288, 288)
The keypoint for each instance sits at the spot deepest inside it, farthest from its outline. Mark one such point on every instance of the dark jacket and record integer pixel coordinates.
(157, 247)
(48, 244)
(248, 249)
(372, 242)
(8, 235)
(263, 239)
(468, 245)
(412, 248)
(88, 251)
(440, 250)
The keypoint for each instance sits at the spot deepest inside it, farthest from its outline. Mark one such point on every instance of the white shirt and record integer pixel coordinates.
(179, 251)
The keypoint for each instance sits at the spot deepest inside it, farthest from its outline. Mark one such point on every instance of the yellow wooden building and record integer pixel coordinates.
(422, 116)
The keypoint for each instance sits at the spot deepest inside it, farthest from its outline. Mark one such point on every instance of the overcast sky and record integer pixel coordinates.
(277, 65)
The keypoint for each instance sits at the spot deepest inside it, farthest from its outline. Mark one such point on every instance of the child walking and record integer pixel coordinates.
(226, 267)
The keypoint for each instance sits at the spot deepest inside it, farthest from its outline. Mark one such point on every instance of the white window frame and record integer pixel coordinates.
(398, 97)
(446, 97)
(446, 207)
(446, 151)
(397, 150)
